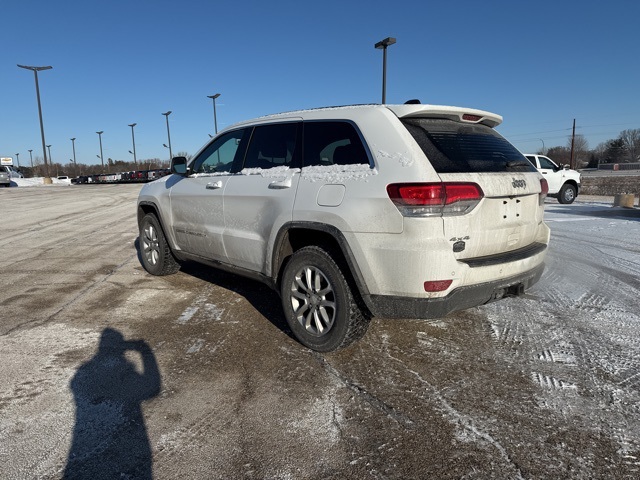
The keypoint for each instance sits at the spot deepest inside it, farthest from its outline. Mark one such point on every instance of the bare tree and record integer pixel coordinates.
(560, 155)
(580, 150)
(631, 140)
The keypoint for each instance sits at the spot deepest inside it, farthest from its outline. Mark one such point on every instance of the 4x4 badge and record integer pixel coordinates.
(518, 183)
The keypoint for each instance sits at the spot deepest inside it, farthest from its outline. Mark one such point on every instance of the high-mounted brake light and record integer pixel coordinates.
(434, 199)
(471, 118)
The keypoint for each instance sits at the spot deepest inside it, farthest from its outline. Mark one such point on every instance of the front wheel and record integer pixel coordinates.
(318, 303)
(568, 194)
(155, 254)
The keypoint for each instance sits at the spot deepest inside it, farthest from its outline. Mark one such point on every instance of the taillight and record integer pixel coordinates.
(434, 199)
(544, 190)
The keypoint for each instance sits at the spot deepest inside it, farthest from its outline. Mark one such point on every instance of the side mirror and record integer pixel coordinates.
(566, 167)
(179, 165)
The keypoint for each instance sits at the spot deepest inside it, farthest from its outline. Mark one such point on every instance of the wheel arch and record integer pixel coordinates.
(146, 207)
(295, 235)
(572, 182)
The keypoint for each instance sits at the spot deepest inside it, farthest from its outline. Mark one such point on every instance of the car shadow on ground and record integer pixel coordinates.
(110, 437)
(265, 300)
(261, 297)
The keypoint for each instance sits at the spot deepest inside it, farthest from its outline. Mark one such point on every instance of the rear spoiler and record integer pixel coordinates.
(458, 114)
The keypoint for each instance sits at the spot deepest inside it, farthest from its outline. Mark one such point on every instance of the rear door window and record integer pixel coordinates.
(274, 145)
(333, 143)
(454, 147)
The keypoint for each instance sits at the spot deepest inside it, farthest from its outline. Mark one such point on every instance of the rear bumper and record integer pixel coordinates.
(459, 299)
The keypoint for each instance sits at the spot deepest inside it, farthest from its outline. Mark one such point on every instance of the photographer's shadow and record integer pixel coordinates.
(110, 438)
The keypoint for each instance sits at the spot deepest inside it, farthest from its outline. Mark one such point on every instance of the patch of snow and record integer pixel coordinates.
(213, 174)
(402, 158)
(278, 172)
(38, 182)
(337, 173)
(322, 419)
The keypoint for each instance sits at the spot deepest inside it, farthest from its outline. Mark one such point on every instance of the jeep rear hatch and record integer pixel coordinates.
(509, 213)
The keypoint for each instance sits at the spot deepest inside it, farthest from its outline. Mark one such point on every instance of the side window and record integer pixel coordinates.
(219, 155)
(332, 143)
(273, 146)
(546, 163)
(532, 160)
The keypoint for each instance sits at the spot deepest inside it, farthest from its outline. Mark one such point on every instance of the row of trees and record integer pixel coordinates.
(624, 149)
(75, 170)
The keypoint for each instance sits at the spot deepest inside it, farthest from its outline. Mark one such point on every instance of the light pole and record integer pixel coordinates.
(35, 71)
(383, 44)
(31, 157)
(133, 139)
(215, 119)
(73, 144)
(101, 157)
(50, 159)
(18, 159)
(542, 145)
(166, 114)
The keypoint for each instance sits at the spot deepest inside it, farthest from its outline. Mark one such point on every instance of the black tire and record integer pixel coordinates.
(568, 194)
(155, 255)
(318, 302)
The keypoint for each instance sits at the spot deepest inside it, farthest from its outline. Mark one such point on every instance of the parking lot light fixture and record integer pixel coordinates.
(383, 44)
(101, 156)
(166, 114)
(133, 140)
(215, 119)
(73, 143)
(35, 71)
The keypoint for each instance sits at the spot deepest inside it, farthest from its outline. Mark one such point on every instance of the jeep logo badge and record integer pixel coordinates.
(518, 183)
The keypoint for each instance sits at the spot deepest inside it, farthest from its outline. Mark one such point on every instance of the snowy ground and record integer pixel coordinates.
(542, 386)
(38, 182)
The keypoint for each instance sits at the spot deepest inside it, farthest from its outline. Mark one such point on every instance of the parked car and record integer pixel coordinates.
(5, 179)
(11, 171)
(399, 211)
(564, 183)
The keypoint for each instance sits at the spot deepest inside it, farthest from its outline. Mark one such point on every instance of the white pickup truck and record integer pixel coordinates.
(564, 183)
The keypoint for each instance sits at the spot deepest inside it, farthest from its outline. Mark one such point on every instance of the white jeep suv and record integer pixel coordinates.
(405, 211)
(564, 183)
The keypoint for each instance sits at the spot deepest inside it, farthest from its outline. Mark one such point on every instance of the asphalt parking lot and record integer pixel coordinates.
(109, 372)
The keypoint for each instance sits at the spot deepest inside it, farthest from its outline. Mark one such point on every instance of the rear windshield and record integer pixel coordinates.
(454, 147)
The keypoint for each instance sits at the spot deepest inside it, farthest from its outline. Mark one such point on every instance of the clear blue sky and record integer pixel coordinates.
(539, 64)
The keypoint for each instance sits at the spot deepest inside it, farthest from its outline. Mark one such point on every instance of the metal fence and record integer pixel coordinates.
(619, 166)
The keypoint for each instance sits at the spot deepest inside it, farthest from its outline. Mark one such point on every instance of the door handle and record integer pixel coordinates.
(286, 183)
(214, 185)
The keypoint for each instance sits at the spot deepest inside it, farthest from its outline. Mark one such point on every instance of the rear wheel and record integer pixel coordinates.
(318, 302)
(156, 256)
(567, 194)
